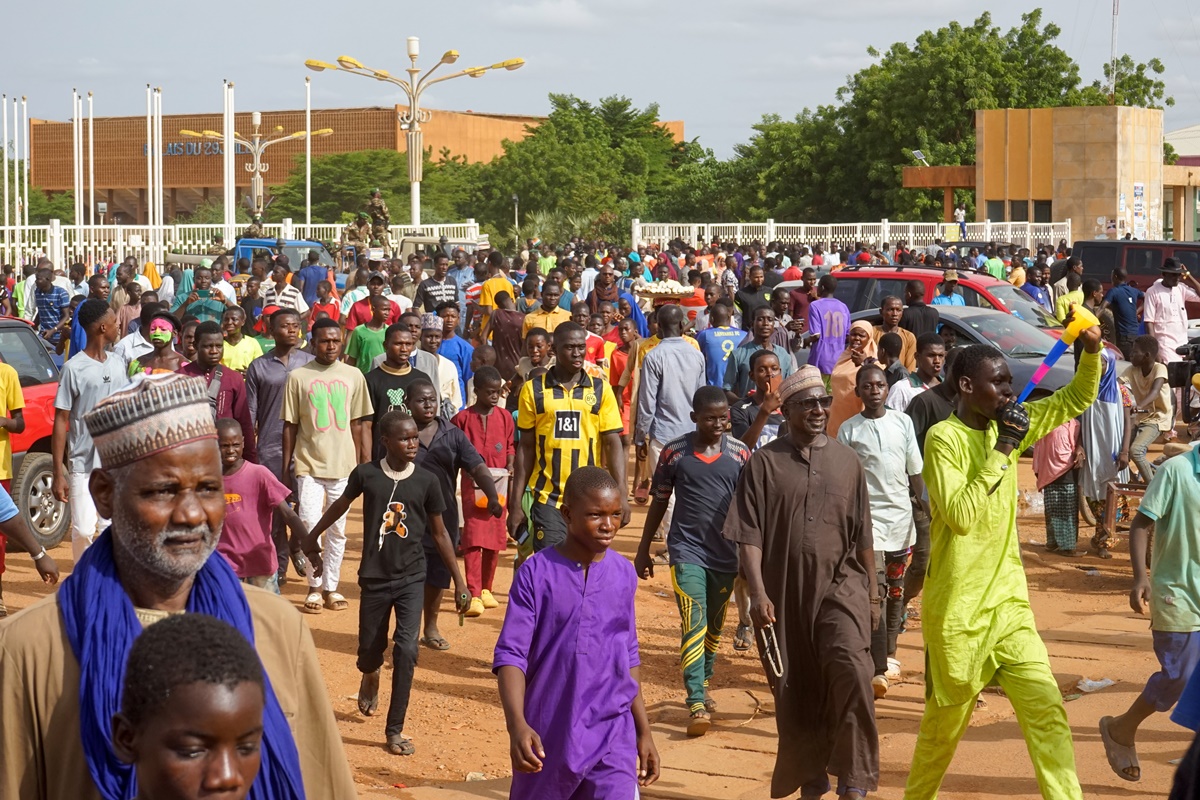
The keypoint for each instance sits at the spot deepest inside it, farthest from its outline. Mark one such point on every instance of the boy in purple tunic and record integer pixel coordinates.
(567, 660)
(828, 321)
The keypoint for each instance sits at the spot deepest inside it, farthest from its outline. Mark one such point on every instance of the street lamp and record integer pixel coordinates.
(410, 120)
(257, 143)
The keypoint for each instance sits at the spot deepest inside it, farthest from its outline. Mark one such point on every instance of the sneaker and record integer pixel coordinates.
(476, 608)
(879, 684)
(488, 601)
(893, 668)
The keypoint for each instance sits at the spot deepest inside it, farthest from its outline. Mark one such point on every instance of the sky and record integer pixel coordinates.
(716, 65)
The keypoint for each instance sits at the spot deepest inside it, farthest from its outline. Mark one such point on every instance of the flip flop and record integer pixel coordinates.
(368, 693)
(710, 705)
(312, 603)
(641, 495)
(299, 562)
(435, 643)
(334, 601)
(399, 746)
(1120, 757)
(741, 639)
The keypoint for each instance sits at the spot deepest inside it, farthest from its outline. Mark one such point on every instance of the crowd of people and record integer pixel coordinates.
(819, 471)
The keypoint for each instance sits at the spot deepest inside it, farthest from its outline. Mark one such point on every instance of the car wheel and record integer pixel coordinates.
(46, 517)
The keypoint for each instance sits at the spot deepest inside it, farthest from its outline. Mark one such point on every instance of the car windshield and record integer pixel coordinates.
(298, 255)
(21, 349)
(1023, 306)
(1014, 337)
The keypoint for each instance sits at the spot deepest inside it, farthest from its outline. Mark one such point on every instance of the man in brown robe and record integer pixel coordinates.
(160, 483)
(803, 525)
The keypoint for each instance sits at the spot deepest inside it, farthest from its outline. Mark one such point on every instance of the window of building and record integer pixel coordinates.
(1018, 211)
(995, 210)
(1043, 211)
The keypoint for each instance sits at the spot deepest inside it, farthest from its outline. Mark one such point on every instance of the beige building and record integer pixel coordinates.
(1100, 167)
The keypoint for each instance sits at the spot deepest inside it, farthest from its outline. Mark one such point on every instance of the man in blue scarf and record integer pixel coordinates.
(62, 659)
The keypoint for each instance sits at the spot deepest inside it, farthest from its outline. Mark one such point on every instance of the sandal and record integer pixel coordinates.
(335, 602)
(641, 495)
(710, 705)
(742, 640)
(368, 693)
(299, 562)
(699, 723)
(399, 746)
(1122, 758)
(435, 643)
(312, 603)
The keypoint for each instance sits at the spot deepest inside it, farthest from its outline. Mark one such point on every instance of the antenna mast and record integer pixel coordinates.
(1112, 59)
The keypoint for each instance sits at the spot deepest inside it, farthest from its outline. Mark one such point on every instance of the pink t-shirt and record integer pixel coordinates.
(251, 496)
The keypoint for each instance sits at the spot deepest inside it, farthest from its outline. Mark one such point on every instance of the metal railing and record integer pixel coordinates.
(1025, 234)
(92, 244)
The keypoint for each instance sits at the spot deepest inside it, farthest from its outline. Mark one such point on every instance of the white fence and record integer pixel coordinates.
(1025, 234)
(65, 244)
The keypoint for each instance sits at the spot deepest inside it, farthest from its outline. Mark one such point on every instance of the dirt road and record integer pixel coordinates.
(458, 728)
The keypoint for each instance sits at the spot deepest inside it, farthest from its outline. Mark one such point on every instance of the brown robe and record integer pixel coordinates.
(810, 518)
(41, 753)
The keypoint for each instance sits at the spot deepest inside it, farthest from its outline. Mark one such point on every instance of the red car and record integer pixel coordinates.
(23, 350)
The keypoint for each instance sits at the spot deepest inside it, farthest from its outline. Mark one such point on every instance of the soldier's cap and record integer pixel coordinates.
(375, 191)
(363, 215)
(218, 238)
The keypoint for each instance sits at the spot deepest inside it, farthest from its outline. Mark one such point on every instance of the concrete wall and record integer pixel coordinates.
(1101, 167)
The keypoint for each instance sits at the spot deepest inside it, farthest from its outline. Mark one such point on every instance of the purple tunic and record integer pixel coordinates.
(830, 318)
(576, 641)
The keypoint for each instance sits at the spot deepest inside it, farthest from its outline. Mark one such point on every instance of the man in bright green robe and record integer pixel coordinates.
(976, 619)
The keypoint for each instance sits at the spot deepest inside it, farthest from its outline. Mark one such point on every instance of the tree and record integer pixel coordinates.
(1136, 85)
(211, 212)
(342, 184)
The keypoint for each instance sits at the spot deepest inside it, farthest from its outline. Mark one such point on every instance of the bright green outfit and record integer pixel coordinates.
(975, 616)
(1062, 306)
(364, 345)
(703, 596)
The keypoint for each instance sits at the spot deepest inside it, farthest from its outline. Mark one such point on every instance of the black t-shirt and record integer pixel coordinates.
(395, 520)
(749, 300)
(926, 410)
(449, 452)
(920, 318)
(388, 392)
(742, 415)
(431, 293)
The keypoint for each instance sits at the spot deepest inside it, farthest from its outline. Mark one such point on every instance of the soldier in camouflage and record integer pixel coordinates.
(380, 218)
(217, 248)
(255, 229)
(357, 234)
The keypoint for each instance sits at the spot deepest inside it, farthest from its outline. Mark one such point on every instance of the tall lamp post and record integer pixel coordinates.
(257, 145)
(411, 119)
(516, 221)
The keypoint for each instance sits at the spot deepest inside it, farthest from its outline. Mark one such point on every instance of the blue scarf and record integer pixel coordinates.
(101, 626)
(635, 312)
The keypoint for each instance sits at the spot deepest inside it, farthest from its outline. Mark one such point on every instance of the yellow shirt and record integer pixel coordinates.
(11, 400)
(487, 294)
(238, 356)
(566, 428)
(543, 319)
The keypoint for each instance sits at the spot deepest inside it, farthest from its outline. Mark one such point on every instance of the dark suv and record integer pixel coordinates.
(1140, 260)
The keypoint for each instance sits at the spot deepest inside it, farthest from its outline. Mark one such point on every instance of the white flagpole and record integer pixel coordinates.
(158, 171)
(25, 129)
(308, 154)
(91, 159)
(149, 163)
(17, 181)
(4, 145)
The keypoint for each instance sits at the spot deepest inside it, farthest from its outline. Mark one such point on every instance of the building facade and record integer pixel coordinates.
(192, 168)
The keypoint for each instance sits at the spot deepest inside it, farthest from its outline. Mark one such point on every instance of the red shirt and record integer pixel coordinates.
(360, 313)
(333, 308)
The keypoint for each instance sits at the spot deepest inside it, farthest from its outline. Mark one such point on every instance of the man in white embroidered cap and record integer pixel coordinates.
(160, 483)
(802, 521)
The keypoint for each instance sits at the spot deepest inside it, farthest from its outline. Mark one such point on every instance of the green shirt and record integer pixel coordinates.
(1062, 306)
(364, 345)
(975, 592)
(995, 268)
(1173, 501)
(546, 263)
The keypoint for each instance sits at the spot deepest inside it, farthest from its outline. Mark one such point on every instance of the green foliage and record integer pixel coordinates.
(1136, 85)
(60, 206)
(212, 212)
(342, 182)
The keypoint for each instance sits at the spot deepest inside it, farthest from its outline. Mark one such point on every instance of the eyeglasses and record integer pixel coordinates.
(810, 404)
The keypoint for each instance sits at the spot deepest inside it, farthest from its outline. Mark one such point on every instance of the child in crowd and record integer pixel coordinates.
(701, 469)
(402, 509)
(187, 339)
(326, 303)
(252, 495)
(1152, 414)
(483, 356)
(240, 349)
(1056, 461)
(890, 346)
(484, 536)
(367, 340)
(567, 660)
(529, 299)
(192, 710)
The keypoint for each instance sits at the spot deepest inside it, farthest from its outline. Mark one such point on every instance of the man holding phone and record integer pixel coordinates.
(204, 303)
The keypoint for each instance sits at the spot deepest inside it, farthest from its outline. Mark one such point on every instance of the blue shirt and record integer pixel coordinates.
(955, 299)
(1123, 301)
(716, 344)
(459, 352)
(1041, 296)
(308, 279)
(50, 306)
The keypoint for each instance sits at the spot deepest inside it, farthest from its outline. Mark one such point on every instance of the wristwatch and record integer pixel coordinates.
(40, 555)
